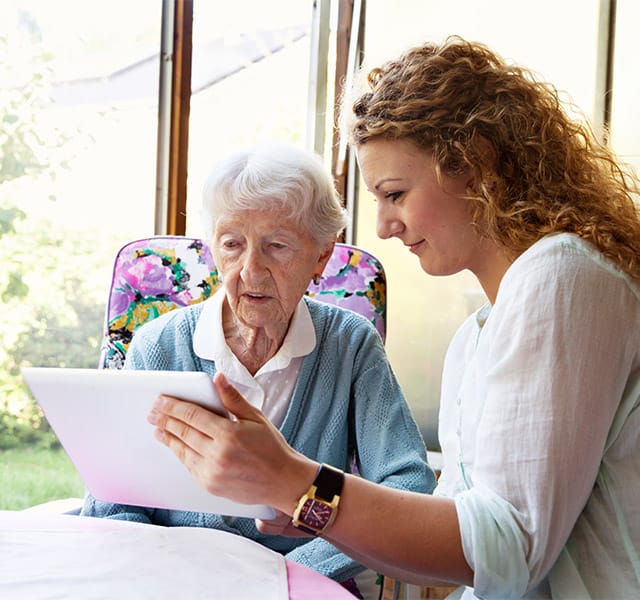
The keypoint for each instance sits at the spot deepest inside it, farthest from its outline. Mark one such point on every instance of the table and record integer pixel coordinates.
(67, 556)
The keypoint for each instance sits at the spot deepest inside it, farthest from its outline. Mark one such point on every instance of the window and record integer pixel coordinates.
(625, 120)
(78, 119)
(250, 78)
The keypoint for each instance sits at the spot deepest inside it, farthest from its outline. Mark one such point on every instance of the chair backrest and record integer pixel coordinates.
(155, 275)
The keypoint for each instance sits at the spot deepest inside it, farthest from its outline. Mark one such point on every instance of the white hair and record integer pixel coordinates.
(278, 177)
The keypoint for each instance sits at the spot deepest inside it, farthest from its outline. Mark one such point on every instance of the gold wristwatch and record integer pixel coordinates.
(317, 509)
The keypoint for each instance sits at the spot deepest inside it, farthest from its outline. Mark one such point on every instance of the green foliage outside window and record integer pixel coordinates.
(49, 313)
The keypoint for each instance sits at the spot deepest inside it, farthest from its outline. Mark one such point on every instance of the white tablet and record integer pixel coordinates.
(100, 418)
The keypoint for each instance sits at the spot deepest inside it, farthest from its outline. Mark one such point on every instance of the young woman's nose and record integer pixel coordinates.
(387, 222)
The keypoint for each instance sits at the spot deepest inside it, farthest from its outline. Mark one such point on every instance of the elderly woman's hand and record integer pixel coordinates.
(245, 459)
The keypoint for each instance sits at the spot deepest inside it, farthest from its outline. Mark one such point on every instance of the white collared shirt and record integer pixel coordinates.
(271, 388)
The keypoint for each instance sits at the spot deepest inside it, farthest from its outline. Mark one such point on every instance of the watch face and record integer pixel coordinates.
(315, 514)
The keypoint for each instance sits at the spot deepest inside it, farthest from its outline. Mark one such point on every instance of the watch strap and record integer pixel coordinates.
(328, 482)
(308, 530)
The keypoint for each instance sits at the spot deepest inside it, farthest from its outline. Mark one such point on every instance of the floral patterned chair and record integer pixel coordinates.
(155, 275)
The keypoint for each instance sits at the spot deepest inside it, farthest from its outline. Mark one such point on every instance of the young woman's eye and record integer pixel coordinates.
(393, 196)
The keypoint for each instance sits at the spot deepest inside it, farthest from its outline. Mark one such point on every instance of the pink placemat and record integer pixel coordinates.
(307, 584)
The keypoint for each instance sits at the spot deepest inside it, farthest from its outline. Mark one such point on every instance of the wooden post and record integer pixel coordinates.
(180, 109)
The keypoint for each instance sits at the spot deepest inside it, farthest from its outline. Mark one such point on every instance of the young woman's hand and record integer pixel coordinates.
(244, 458)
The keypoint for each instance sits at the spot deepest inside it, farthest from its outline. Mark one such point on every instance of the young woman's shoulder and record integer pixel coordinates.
(564, 259)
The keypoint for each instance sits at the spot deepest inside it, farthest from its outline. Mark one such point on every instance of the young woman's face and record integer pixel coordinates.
(432, 219)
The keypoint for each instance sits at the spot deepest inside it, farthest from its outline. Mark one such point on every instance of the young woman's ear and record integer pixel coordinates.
(488, 154)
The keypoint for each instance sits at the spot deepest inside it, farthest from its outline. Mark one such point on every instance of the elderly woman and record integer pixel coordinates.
(319, 373)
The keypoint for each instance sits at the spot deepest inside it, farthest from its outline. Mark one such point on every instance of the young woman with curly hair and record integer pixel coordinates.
(475, 165)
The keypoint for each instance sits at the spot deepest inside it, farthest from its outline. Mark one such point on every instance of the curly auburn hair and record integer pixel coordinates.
(534, 170)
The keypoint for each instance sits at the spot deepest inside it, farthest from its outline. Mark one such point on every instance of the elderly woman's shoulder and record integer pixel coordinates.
(336, 319)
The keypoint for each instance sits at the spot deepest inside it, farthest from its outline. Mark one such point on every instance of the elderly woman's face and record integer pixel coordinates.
(266, 262)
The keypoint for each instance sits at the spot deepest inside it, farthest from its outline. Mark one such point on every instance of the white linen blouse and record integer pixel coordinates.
(539, 429)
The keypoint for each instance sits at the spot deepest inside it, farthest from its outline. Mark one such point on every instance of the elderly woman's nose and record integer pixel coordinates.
(254, 261)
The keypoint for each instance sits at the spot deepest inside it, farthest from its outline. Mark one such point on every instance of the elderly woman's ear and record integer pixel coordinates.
(325, 255)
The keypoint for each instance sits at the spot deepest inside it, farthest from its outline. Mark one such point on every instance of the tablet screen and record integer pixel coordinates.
(100, 418)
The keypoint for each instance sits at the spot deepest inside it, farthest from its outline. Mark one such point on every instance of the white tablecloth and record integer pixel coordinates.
(42, 560)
